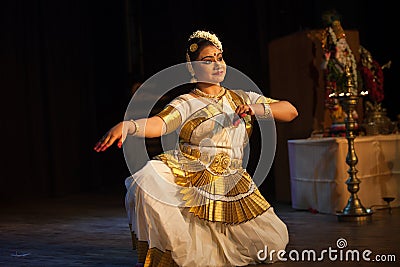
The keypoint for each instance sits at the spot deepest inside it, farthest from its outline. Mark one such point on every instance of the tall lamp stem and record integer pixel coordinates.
(354, 210)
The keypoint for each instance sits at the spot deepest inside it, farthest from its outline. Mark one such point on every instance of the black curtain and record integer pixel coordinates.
(62, 67)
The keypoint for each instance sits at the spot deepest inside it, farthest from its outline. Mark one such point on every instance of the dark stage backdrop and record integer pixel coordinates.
(67, 67)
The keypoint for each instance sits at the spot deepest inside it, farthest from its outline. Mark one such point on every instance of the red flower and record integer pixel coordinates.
(373, 81)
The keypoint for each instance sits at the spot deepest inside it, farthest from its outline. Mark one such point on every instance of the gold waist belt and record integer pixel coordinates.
(219, 162)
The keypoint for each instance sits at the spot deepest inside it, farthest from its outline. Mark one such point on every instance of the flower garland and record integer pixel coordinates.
(349, 55)
(373, 81)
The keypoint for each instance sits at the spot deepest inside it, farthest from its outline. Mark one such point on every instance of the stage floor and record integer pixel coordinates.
(92, 230)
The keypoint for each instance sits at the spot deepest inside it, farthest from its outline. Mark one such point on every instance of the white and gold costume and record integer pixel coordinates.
(197, 205)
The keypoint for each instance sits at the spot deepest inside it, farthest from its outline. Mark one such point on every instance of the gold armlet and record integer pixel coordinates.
(171, 117)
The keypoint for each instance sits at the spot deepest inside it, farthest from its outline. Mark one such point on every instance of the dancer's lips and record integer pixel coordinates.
(218, 73)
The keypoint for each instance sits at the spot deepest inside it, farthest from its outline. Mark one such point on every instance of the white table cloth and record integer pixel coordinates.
(318, 171)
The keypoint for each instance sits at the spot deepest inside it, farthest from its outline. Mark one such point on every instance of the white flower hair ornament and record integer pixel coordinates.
(207, 36)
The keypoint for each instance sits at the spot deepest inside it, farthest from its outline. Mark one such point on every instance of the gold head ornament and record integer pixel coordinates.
(338, 30)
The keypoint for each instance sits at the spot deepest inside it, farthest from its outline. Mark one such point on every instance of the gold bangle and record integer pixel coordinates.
(136, 127)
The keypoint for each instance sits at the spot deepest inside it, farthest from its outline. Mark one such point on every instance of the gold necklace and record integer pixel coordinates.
(198, 92)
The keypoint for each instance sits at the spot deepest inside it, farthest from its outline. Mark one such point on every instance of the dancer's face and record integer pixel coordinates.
(210, 66)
